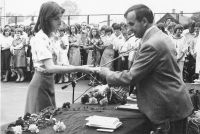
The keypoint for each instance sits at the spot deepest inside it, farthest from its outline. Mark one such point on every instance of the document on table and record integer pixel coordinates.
(128, 107)
(103, 122)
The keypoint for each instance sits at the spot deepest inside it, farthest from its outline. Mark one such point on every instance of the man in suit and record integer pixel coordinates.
(161, 93)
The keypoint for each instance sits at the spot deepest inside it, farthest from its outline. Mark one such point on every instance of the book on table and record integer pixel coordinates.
(103, 122)
(128, 107)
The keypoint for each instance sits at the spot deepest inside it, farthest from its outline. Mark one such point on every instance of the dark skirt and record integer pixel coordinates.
(19, 58)
(41, 93)
(5, 59)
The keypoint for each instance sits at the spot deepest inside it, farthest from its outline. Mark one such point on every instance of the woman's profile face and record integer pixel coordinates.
(55, 22)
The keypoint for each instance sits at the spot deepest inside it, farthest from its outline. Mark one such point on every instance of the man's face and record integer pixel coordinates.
(134, 25)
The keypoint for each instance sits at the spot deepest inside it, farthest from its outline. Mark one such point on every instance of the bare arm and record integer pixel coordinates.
(52, 68)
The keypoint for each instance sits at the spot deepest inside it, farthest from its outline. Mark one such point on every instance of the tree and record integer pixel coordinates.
(70, 7)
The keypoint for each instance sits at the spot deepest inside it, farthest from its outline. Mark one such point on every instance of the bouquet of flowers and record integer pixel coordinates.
(103, 95)
(33, 122)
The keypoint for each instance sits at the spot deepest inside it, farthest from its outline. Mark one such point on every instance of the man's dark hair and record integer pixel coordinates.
(141, 11)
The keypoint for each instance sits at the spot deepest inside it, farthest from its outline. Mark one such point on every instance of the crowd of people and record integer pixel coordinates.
(84, 44)
(153, 59)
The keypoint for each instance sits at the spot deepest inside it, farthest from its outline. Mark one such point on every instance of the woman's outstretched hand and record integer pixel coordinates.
(91, 69)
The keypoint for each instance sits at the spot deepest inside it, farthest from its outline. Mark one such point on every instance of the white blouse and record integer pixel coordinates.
(180, 46)
(41, 48)
(6, 41)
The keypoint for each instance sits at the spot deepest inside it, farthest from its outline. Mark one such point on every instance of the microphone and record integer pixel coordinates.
(65, 86)
(72, 82)
(68, 83)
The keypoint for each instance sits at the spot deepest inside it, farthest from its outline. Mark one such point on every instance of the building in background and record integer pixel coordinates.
(176, 17)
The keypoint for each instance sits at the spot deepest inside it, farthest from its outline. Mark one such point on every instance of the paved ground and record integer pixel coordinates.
(13, 98)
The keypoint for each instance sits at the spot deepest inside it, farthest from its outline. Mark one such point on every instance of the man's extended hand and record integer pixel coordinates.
(102, 71)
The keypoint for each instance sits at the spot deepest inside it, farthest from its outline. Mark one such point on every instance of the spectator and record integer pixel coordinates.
(74, 50)
(5, 44)
(161, 27)
(19, 56)
(180, 46)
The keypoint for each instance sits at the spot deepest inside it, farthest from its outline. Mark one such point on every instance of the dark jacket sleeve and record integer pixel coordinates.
(146, 61)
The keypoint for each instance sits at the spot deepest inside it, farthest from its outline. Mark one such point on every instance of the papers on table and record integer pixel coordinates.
(103, 122)
(197, 81)
(128, 107)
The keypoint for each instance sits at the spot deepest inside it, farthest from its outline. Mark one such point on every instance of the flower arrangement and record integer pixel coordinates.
(59, 126)
(33, 122)
(103, 95)
(17, 129)
(33, 128)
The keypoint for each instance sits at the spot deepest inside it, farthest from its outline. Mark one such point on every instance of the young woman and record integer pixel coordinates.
(180, 45)
(5, 44)
(18, 54)
(74, 50)
(41, 93)
(94, 51)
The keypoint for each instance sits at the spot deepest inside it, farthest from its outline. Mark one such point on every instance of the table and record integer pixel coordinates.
(134, 122)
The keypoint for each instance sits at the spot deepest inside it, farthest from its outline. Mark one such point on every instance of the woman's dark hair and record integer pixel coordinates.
(141, 11)
(76, 30)
(5, 30)
(103, 28)
(48, 11)
(161, 26)
(62, 29)
(117, 27)
(78, 26)
(109, 29)
(97, 35)
(178, 26)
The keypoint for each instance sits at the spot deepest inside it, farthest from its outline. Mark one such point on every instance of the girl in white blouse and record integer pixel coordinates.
(5, 43)
(41, 93)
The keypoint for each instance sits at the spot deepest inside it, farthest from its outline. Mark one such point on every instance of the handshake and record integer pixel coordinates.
(102, 71)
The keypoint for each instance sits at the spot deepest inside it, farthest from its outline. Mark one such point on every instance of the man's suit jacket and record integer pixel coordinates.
(161, 93)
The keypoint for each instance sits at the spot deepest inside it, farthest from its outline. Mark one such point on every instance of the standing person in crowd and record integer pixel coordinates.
(124, 48)
(5, 43)
(12, 32)
(83, 42)
(189, 64)
(180, 45)
(62, 57)
(41, 92)
(155, 72)
(94, 51)
(170, 29)
(74, 50)
(19, 55)
(118, 41)
(108, 53)
(197, 56)
(31, 35)
(197, 29)
(161, 26)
